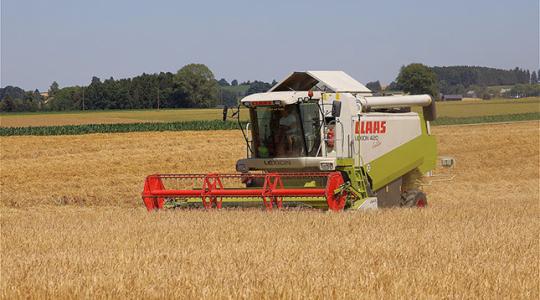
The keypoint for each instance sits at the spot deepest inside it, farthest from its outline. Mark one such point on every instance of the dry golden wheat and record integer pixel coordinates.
(478, 238)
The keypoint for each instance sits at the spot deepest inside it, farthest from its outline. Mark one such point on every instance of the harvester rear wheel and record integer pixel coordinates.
(413, 198)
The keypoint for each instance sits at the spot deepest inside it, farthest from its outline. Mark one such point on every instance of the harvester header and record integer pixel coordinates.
(317, 139)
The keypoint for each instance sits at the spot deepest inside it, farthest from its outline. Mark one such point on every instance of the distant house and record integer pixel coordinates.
(452, 97)
(471, 94)
(44, 94)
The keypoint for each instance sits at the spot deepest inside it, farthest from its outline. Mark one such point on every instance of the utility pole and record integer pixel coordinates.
(83, 98)
(158, 97)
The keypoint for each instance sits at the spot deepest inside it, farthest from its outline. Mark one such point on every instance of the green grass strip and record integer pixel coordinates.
(487, 119)
(116, 128)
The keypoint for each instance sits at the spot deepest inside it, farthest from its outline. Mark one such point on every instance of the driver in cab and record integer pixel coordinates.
(289, 134)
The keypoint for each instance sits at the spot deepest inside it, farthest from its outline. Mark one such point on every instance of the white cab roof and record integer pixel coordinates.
(331, 81)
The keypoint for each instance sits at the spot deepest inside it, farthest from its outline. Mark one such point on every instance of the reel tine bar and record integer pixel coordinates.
(212, 182)
(272, 182)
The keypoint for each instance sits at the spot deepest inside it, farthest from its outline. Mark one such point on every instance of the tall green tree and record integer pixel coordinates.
(534, 77)
(418, 79)
(223, 82)
(68, 98)
(53, 89)
(7, 104)
(258, 87)
(393, 86)
(199, 85)
(94, 95)
(374, 86)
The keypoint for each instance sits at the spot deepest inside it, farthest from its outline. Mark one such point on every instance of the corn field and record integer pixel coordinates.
(117, 128)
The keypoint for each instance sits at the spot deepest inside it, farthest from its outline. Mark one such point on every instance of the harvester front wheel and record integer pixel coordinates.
(413, 198)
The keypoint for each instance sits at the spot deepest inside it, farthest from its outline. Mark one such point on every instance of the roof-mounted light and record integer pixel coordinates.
(303, 99)
(261, 103)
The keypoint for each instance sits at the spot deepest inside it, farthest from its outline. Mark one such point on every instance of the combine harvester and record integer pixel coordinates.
(317, 139)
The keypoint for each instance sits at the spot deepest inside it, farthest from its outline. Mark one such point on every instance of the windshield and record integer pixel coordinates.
(290, 131)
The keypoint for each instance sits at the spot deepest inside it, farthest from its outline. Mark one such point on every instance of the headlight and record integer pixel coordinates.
(326, 166)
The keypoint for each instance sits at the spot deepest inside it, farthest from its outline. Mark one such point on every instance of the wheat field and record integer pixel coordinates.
(73, 225)
(110, 117)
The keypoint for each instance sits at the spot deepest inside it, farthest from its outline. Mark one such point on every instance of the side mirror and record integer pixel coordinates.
(225, 109)
(336, 109)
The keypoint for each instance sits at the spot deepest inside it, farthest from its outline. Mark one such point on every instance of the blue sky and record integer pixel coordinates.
(70, 41)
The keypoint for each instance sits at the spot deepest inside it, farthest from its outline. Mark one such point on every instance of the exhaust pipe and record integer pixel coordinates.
(396, 101)
(425, 101)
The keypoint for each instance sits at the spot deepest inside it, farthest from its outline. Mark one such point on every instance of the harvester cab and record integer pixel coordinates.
(317, 139)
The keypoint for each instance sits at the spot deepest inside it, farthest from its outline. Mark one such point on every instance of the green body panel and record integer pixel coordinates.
(356, 175)
(419, 153)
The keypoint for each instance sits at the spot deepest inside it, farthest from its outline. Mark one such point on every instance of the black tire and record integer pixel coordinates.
(413, 198)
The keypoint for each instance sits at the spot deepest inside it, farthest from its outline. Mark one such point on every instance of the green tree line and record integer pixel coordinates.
(16, 99)
(456, 79)
(194, 86)
(418, 78)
